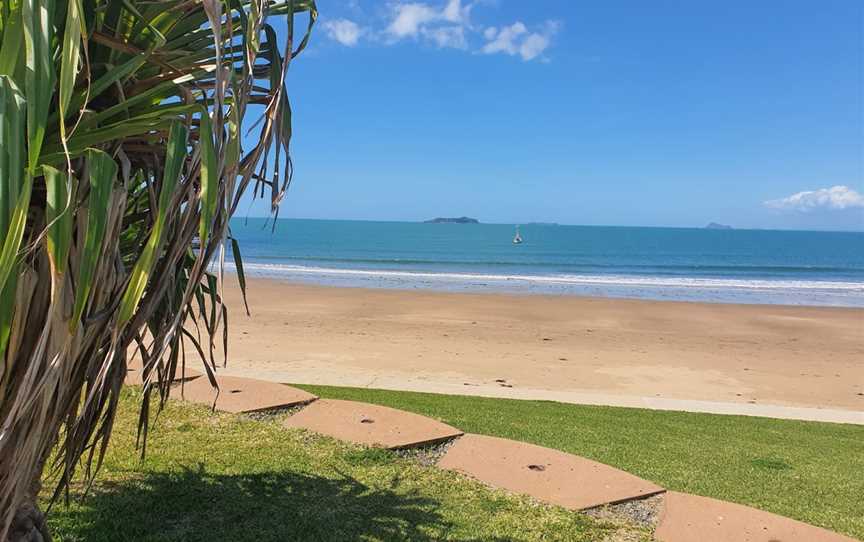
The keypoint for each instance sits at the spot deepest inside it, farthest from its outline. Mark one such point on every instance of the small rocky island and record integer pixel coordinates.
(716, 226)
(460, 220)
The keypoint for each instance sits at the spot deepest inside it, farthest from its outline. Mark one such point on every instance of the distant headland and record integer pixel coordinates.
(716, 226)
(460, 220)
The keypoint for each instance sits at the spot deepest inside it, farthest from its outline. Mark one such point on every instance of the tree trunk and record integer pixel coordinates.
(29, 525)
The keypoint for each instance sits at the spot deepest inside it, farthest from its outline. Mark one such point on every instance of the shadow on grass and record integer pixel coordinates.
(196, 505)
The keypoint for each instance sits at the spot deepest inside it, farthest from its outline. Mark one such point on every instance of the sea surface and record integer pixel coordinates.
(687, 264)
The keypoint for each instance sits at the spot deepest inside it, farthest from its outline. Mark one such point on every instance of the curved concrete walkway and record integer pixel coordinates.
(238, 394)
(548, 475)
(687, 518)
(371, 425)
(134, 373)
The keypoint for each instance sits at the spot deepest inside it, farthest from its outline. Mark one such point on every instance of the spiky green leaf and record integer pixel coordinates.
(58, 214)
(70, 58)
(175, 156)
(15, 183)
(39, 75)
(209, 178)
(102, 173)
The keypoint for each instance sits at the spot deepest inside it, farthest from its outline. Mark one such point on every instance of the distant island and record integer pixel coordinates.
(716, 226)
(460, 220)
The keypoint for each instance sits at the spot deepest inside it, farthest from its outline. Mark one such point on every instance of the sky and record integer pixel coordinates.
(607, 112)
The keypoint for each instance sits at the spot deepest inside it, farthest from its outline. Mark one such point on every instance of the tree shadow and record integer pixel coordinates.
(193, 504)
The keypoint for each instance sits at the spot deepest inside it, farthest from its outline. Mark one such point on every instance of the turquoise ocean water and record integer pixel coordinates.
(732, 266)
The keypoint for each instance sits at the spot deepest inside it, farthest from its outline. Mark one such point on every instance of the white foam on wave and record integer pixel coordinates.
(700, 283)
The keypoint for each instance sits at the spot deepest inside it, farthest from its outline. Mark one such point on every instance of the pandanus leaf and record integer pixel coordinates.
(72, 36)
(15, 189)
(58, 215)
(10, 47)
(12, 161)
(111, 76)
(241, 274)
(39, 75)
(102, 172)
(12, 242)
(209, 178)
(150, 86)
(174, 158)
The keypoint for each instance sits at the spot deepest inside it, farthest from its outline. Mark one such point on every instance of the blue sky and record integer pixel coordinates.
(661, 113)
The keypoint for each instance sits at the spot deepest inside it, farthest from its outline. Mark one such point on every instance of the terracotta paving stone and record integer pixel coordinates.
(545, 474)
(688, 518)
(238, 394)
(134, 368)
(372, 425)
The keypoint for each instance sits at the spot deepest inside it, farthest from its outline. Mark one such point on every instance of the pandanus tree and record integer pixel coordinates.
(123, 154)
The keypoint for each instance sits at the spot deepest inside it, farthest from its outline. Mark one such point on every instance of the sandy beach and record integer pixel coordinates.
(590, 350)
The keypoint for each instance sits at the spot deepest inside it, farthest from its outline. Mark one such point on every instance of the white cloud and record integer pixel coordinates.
(504, 40)
(344, 31)
(517, 40)
(447, 36)
(408, 18)
(455, 13)
(445, 24)
(834, 198)
(533, 45)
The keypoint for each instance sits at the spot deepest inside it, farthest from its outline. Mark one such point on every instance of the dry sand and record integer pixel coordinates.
(738, 358)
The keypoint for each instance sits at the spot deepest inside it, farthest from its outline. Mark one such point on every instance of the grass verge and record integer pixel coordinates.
(223, 477)
(805, 470)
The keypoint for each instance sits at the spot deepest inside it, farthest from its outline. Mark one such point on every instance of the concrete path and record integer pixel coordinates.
(371, 425)
(690, 518)
(135, 367)
(547, 475)
(241, 394)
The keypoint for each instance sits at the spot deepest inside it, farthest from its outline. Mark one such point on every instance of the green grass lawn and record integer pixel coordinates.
(810, 471)
(214, 477)
(223, 477)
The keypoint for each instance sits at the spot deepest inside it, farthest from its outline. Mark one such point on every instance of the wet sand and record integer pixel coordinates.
(592, 350)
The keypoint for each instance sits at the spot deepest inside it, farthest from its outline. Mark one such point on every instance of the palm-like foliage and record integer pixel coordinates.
(120, 145)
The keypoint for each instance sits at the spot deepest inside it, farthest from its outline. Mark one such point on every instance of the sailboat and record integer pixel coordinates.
(517, 240)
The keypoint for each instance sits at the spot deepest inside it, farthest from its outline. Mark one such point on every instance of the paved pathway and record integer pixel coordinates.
(135, 368)
(548, 475)
(690, 518)
(238, 394)
(372, 425)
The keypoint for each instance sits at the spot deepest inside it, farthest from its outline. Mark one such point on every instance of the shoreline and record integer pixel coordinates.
(767, 360)
(697, 289)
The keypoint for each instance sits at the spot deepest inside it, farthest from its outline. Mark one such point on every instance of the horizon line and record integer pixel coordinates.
(546, 223)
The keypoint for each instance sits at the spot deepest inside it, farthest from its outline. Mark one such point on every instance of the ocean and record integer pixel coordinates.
(685, 264)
